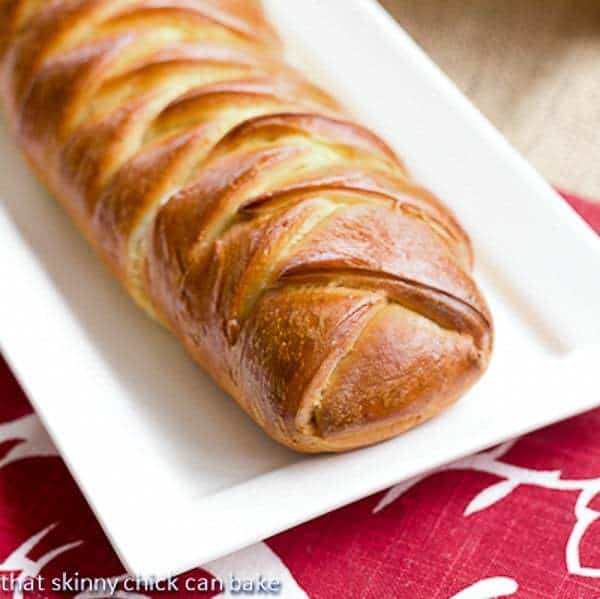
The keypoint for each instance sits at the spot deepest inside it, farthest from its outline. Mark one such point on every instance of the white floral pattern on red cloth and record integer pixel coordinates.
(520, 520)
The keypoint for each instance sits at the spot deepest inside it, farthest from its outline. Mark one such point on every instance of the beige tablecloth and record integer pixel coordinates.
(531, 66)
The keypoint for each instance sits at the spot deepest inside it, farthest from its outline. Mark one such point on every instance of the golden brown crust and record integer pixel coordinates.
(285, 246)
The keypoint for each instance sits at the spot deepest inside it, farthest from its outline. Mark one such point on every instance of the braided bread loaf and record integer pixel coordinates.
(286, 247)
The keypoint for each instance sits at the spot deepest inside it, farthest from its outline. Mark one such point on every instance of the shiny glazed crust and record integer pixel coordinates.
(285, 246)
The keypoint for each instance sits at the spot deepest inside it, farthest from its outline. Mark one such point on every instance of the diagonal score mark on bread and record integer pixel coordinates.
(285, 246)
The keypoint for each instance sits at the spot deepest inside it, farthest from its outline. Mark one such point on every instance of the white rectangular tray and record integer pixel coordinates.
(159, 451)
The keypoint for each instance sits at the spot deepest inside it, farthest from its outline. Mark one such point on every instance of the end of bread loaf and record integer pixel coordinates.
(400, 371)
(348, 366)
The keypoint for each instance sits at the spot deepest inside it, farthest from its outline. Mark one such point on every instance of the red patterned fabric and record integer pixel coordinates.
(519, 520)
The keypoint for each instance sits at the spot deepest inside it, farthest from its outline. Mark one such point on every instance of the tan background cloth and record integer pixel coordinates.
(531, 66)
